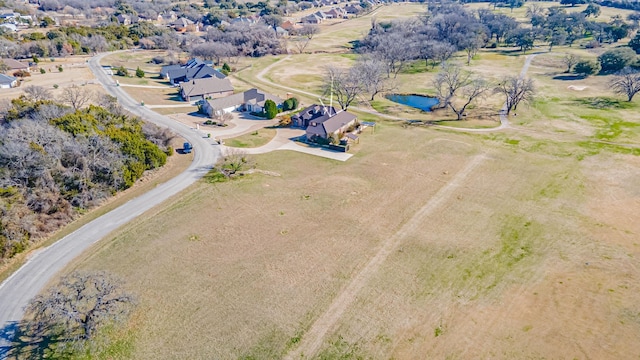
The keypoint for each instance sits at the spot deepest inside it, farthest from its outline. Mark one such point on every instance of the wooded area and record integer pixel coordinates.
(57, 162)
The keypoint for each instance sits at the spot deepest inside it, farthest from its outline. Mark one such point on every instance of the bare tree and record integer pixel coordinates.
(569, 61)
(395, 50)
(80, 305)
(222, 118)
(344, 85)
(37, 93)
(304, 36)
(372, 75)
(457, 89)
(516, 90)
(76, 96)
(626, 82)
(234, 162)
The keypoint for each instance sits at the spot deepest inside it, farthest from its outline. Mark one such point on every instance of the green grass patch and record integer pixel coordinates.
(214, 176)
(340, 349)
(353, 57)
(251, 140)
(479, 271)
(605, 103)
(417, 67)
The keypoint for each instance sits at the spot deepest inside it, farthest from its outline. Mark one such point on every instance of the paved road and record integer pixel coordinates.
(29, 280)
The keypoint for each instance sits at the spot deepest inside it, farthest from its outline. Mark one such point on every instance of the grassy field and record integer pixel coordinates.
(505, 255)
(432, 243)
(252, 140)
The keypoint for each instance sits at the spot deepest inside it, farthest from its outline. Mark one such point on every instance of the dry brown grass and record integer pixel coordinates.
(243, 268)
(533, 256)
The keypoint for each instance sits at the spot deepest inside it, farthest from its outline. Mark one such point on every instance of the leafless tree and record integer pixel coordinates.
(304, 36)
(395, 50)
(77, 307)
(372, 75)
(76, 96)
(515, 90)
(37, 93)
(626, 83)
(344, 85)
(535, 10)
(222, 118)
(235, 161)
(457, 89)
(569, 61)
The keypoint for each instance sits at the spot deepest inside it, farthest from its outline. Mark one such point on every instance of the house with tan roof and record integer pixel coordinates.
(206, 88)
(14, 65)
(251, 100)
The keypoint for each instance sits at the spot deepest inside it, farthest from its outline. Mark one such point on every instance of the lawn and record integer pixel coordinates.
(253, 139)
(510, 241)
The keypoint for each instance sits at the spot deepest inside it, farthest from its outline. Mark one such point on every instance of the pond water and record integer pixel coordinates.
(424, 103)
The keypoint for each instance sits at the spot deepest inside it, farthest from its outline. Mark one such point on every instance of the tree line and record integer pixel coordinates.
(58, 161)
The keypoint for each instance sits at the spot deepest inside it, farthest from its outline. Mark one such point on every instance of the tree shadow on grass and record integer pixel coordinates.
(569, 77)
(26, 342)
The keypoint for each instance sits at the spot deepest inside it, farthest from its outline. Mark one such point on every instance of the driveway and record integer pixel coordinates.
(285, 140)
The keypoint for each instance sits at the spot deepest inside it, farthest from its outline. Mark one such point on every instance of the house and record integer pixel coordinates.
(280, 32)
(192, 69)
(321, 14)
(185, 25)
(187, 74)
(15, 65)
(289, 26)
(243, 21)
(335, 13)
(250, 100)
(9, 27)
(311, 19)
(353, 9)
(7, 81)
(126, 19)
(323, 122)
(211, 87)
(302, 119)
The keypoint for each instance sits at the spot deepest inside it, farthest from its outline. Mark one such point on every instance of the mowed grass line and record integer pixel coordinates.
(313, 339)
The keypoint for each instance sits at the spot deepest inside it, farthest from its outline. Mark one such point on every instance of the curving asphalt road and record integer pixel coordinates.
(29, 280)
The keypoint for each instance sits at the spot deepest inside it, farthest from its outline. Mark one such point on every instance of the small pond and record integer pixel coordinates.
(424, 103)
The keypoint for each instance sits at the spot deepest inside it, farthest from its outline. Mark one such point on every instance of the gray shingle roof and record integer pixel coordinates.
(205, 86)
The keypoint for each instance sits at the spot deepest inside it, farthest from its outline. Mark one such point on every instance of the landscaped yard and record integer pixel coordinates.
(253, 139)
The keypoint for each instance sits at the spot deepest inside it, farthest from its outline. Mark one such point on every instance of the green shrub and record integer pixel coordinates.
(139, 72)
(586, 67)
(122, 71)
(42, 71)
(270, 109)
(616, 59)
